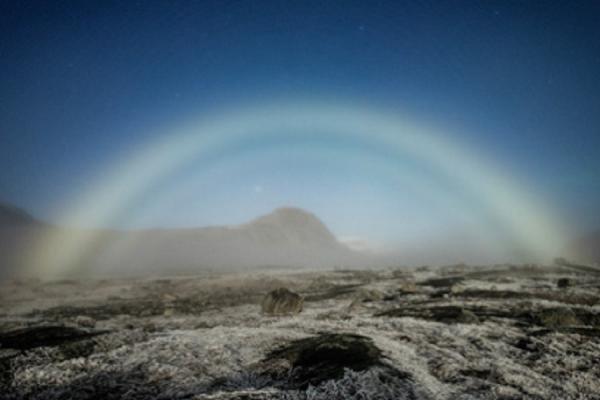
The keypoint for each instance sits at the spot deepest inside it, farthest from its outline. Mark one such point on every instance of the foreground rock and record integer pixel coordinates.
(41, 336)
(282, 302)
(317, 359)
(563, 283)
(557, 317)
(445, 282)
(84, 321)
(445, 314)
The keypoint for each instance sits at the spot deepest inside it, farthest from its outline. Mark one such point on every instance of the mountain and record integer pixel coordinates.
(19, 232)
(11, 216)
(287, 226)
(287, 237)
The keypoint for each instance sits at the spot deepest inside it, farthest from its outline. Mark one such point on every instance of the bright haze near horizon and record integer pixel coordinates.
(397, 124)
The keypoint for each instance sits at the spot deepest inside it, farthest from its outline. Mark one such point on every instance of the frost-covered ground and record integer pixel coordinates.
(459, 332)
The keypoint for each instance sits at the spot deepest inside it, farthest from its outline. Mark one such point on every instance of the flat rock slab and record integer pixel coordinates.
(324, 357)
(41, 336)
(446, 314)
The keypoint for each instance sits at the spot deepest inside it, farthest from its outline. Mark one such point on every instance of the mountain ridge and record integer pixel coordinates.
(285, 237)
(11, 216)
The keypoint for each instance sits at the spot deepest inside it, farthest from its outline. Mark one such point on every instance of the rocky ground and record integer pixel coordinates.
(460, 332)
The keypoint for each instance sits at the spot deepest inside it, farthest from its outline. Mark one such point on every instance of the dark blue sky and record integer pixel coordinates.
(83, 83)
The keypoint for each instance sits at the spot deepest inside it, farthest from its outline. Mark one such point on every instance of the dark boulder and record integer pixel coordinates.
(41, 336)
(282, 302)
(563, 283)
(324, 357)
(445, 314)
(557, 317)
(445, 282)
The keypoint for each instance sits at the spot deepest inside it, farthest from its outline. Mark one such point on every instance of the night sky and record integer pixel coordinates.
(86, 83)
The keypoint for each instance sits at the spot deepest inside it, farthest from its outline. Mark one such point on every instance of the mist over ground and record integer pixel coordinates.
(285, 238)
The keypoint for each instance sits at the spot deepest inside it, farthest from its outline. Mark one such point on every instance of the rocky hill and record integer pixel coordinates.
(287, 237)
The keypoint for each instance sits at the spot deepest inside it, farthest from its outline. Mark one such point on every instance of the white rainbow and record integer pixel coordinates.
(524, 217)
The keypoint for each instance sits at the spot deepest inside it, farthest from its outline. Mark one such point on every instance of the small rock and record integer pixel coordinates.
(168, 298)
(168, 312)
(557, 317)
(445, 314)
(408, 287)
(446, 282)
(364, 296)
(369, 295)
(76, 349)
(146, 313)
(149, 327)
(457, 289)
(281, 302)
(563, 283)
(85, 321)
(506, 392)
(399, 274)
(333, 316)
(453, 314)
(467, 317)
(527, 344)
